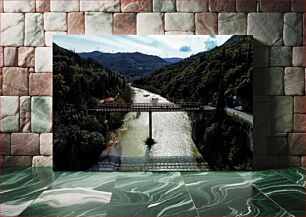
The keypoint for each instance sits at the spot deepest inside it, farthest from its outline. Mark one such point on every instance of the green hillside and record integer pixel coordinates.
(78, 84)
(197, 78)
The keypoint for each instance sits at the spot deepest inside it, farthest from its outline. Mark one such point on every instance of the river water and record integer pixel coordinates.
(174, 146)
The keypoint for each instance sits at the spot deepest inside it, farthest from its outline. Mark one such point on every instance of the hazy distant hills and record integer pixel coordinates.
(130, 64)
(173, 59)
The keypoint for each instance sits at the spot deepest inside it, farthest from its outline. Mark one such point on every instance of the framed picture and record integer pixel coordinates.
(153, 103)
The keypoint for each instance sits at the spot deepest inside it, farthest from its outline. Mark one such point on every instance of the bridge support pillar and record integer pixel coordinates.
(150, 124)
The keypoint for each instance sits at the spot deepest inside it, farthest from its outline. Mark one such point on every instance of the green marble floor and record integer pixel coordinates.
(42, 192)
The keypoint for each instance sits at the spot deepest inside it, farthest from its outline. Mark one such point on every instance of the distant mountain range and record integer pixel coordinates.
(130, 64)
(173, 59)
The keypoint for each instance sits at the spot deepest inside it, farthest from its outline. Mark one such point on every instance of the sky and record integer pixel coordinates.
(164, 46)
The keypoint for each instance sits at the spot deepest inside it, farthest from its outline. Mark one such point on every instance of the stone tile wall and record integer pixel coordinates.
(27, 27)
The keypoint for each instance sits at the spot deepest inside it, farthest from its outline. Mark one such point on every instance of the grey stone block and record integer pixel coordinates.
(294, 81)
(274, 81)
(293, 29)
(265, 162)
(266, 28)
(232, 23)
(298, 56)
(261, 56)
(281, 116)
(280, 56)
(262, 119)
(296, 143)
(278, 146)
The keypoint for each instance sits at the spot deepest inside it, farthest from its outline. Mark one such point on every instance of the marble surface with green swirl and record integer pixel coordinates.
(42, 192)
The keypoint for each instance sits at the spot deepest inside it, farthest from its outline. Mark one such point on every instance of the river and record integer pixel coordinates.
(174, 148)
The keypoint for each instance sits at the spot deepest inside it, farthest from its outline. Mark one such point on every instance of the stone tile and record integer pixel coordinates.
(124, 23)
(42, 161)
(25, 144)
(274, 81)
(42, 5)
(293, 29)
(34, 29)
(258, 84)
(18, 161)
(261, 56)
(206, 23)
(297, 5)
(43, 59)
(179, 22)
(299, 124)
(179, 33)
(246, 5)
(265, 162)
(101, 5)
(26, 57)
(41, 114)
(10, 56)
(15, 81)
(271, 6)
(12, 24)
(278, 146)
(232, 24)
(98, 23)
(262, 119)
(280, 56)
(192, 5)
(282, 117)
(25, 114)
(136, 5)
(49, 37)
(222, 5)
(1, 56)
(261, 23)
(163, 5)
(260, 146)
(9, 114)
(76, 23)
(299, 104)
(19, 6)
(5, 144)
(46, 144)
(55, 21)
(289, 161)
(298, 56)
(294, 81)
(296, 143)
(40, 84)
(156, 26)
(64, 5)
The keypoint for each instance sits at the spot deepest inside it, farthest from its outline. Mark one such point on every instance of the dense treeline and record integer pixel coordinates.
(213, 77)
(197, 78)
(79, 138)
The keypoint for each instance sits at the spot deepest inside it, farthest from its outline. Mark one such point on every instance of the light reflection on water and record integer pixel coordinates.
(171, 132)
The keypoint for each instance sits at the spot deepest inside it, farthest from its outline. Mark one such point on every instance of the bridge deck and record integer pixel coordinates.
(149, 107)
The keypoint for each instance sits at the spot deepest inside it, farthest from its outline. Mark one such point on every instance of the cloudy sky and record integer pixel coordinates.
(164, 46)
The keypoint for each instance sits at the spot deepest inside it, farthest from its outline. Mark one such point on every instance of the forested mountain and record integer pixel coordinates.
(197, 78)
(79, 138)
(128, 64)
